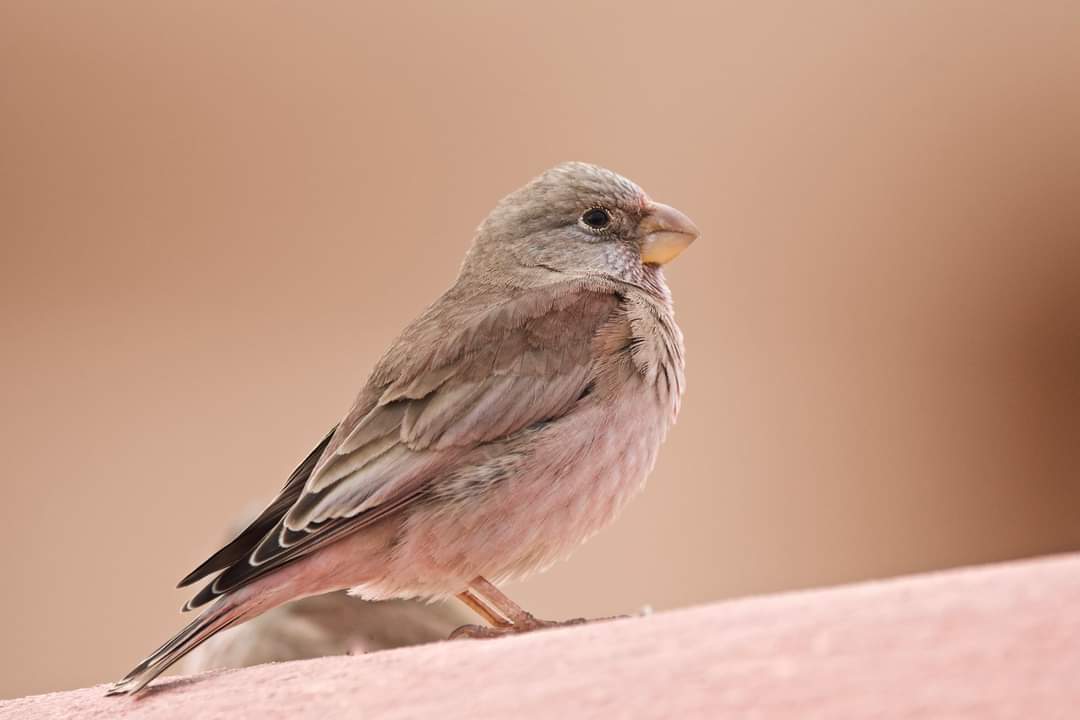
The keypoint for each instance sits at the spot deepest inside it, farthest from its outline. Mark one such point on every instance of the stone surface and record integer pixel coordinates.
(994, 642)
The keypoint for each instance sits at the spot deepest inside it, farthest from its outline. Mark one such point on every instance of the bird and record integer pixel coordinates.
(505, 425)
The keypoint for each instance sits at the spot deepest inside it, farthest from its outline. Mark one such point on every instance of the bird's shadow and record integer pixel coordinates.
(173, 684)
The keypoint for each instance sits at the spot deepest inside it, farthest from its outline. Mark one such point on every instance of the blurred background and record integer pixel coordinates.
(215, 216)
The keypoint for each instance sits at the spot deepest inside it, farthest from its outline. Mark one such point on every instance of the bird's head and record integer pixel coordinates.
(580, 219)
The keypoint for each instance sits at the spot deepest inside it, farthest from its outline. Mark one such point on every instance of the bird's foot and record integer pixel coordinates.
(504, 616)
(522, 625)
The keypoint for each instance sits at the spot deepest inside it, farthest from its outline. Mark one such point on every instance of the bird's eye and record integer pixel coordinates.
(597, 218)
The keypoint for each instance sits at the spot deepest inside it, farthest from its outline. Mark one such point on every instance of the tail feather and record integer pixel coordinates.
(213, 620)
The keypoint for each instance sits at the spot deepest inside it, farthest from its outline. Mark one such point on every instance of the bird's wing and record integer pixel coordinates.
(454, 380)
(241, 545)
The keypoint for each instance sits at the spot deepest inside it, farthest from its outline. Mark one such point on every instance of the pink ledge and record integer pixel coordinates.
(994, 642)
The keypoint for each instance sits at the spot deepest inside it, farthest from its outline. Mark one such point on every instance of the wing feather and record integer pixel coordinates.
(241, 546)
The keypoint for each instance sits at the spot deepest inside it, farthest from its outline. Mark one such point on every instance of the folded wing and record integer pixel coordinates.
(467, 372)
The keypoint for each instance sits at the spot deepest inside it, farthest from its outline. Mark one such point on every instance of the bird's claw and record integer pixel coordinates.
(474, 632)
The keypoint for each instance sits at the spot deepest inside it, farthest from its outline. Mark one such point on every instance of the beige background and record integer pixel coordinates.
(214, 216)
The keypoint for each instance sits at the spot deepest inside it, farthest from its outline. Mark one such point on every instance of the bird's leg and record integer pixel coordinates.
(499, 624)
(506, 616)
(480, 608)
(497, 599)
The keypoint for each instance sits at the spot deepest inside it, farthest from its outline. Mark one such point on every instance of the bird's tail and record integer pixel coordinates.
(210, 622)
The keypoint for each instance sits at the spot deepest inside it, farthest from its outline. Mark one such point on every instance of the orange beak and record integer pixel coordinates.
(666, 232)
